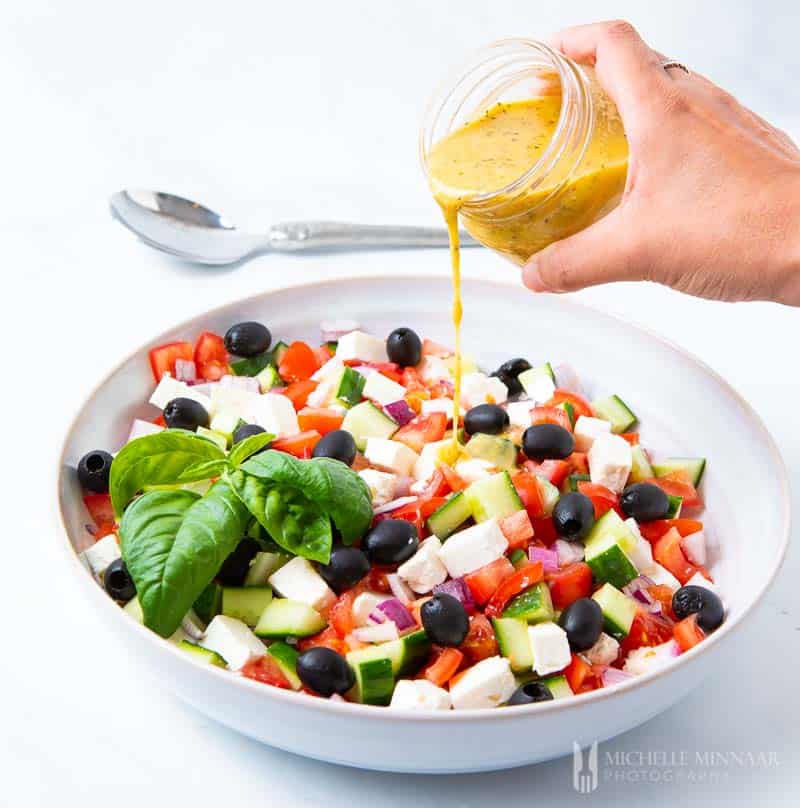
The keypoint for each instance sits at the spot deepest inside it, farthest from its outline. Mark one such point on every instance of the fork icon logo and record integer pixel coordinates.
(584, 771)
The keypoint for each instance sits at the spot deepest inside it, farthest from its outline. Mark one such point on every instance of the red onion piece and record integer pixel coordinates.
(333, 330)
(400, 588)
(185, 370)
(549, 558)
(457, 587)
(394, 610)
(400, 412)
(568, 552)
(393, 505)
(614, 676)
(637, 589)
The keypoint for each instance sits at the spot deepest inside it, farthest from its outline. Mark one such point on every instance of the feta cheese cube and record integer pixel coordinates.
(641, 554)
(490, 683)
(332, 369)
(694, 545)
(478, 388)
(420, 694)
(233, 402)
(298, 580)
(233, 641)
(364, 605)
(651, 658)
(324, 392)
(381, 484)
(474, 469)
(358, 345)
(587, 430)
(519, 413)
(382, 389)
(610, 461)
(169, 388)
(433, 369)
(550, 648)
(604, 651)
(661, 576)
(473, 548)
(424, 569)
(390, 454)
(275, 413)
(444, 405)
(98, 557)
(538, 384)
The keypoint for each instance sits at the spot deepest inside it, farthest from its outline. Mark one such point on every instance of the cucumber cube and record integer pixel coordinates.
(289, 618)
(618, 610)
(513, 642)
(532, 606)
(365, 420)
(446, 519)
(692, 466)
(641, 469)
(606, 548)
(246, 603)
(286, 657)
(614, 410)
(203, 654)
(493, 497)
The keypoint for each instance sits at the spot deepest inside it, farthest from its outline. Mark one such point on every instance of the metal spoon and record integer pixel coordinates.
(192, 232)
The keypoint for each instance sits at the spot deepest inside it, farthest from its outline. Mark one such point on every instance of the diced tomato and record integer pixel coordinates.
(444, 667)
(676, 484)
(266, 670)
(483, 582)
(653, 531)
(423, 429)
(163, 358)
(454, 480)
(437, 486)
(663, 594)
(631, 437)
(544, 530)
(159, 421)
(668, 552)
(569, 584)
(376, 581)
(102, 512)
(412, 381)
(321, 419)
(551, 415)
(431, 348)
(687, 633)
(211, 357)
(646, 630)
(340, 615)
(603, 499)
(327, 638)
(300, 445)
(323, 354)
(578, 463)
(522, 579)
(556, 471)
(530, 493)
(580, 405)
(480, 641)
(298, 392)
(298, 363)
(581, 676)
(389, 369)
(517, 529)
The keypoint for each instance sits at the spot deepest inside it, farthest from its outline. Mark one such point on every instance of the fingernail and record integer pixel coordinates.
(532, 278)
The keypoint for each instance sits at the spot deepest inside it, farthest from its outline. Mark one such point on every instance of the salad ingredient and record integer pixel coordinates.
(692, 467)
(325, 671)
(618, 610)
(614, 410)
(245, 603)
(347, 566)
(118, 582)
(424, 570)
(607, 549)
(94, 469)
(610, 462)
(587, 430)
(489, 419)
(210, 357)
(509, 372)
(390, 454)
(298, 580)
(163, 358)
(203, 654)
(285, 617)
(365, 420)
(99, 556)
(246, 431)
(573, 516)
(539, 383)
(233, 641)
(488, 683)
(404, 347)
(445, 619)
(700, 601)
(235, 567)
(644, 502)
(533, 604)
(338, 445)
(185, 413)
(391, 541)
(547, 441)
(582, 620)
(550, 647)
(529, 693)
(248, 339)
(420, 694)
(473, 548)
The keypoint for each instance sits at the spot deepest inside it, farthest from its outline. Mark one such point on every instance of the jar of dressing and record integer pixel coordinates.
(525, 147)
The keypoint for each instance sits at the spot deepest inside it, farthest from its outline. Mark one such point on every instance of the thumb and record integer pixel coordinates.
(602, 253)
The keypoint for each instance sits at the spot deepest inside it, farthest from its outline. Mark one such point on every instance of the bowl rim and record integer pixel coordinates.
(374, 712)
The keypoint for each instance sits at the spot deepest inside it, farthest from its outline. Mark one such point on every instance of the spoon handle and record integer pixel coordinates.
(324, 236)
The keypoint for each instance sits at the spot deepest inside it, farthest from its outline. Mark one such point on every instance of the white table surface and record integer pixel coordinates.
(289, 110)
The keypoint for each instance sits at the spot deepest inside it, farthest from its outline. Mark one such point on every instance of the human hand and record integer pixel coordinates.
(712, 201)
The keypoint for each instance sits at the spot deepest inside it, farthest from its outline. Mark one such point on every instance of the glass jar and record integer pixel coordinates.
(576, 177)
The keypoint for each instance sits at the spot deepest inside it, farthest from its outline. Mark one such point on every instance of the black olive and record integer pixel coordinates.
(530, 693)
(234, 568)
(93, 470)
(573, 516)
(325, 671)
(347, 566)
(583, 622)
(644, 502)
(404, 347)
(185, 413)
(547, 441)
(490, 419)
(445, 619)
(391, 541)
(118, 582)
(508, 373)
(248, 339)
(246, 431)
(702, 602)
(339, 445)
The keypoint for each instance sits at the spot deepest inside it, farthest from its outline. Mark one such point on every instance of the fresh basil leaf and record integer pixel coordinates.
(293, 521)
(174, 543)
(251, 366)
(204, 470)
(248, 447)
(331, 485)
(158, 459)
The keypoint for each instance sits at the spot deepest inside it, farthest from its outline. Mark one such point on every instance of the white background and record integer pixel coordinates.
(282, 110)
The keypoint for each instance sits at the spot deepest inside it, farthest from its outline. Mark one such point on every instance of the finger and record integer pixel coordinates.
(628, 69)
(599, 254)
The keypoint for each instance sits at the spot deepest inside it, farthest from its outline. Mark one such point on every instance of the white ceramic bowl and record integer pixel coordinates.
(684, 408)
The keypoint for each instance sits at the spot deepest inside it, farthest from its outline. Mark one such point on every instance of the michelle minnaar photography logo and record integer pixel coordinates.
(591, 766)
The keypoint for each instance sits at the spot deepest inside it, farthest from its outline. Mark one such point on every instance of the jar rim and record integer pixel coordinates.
(573, 87)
